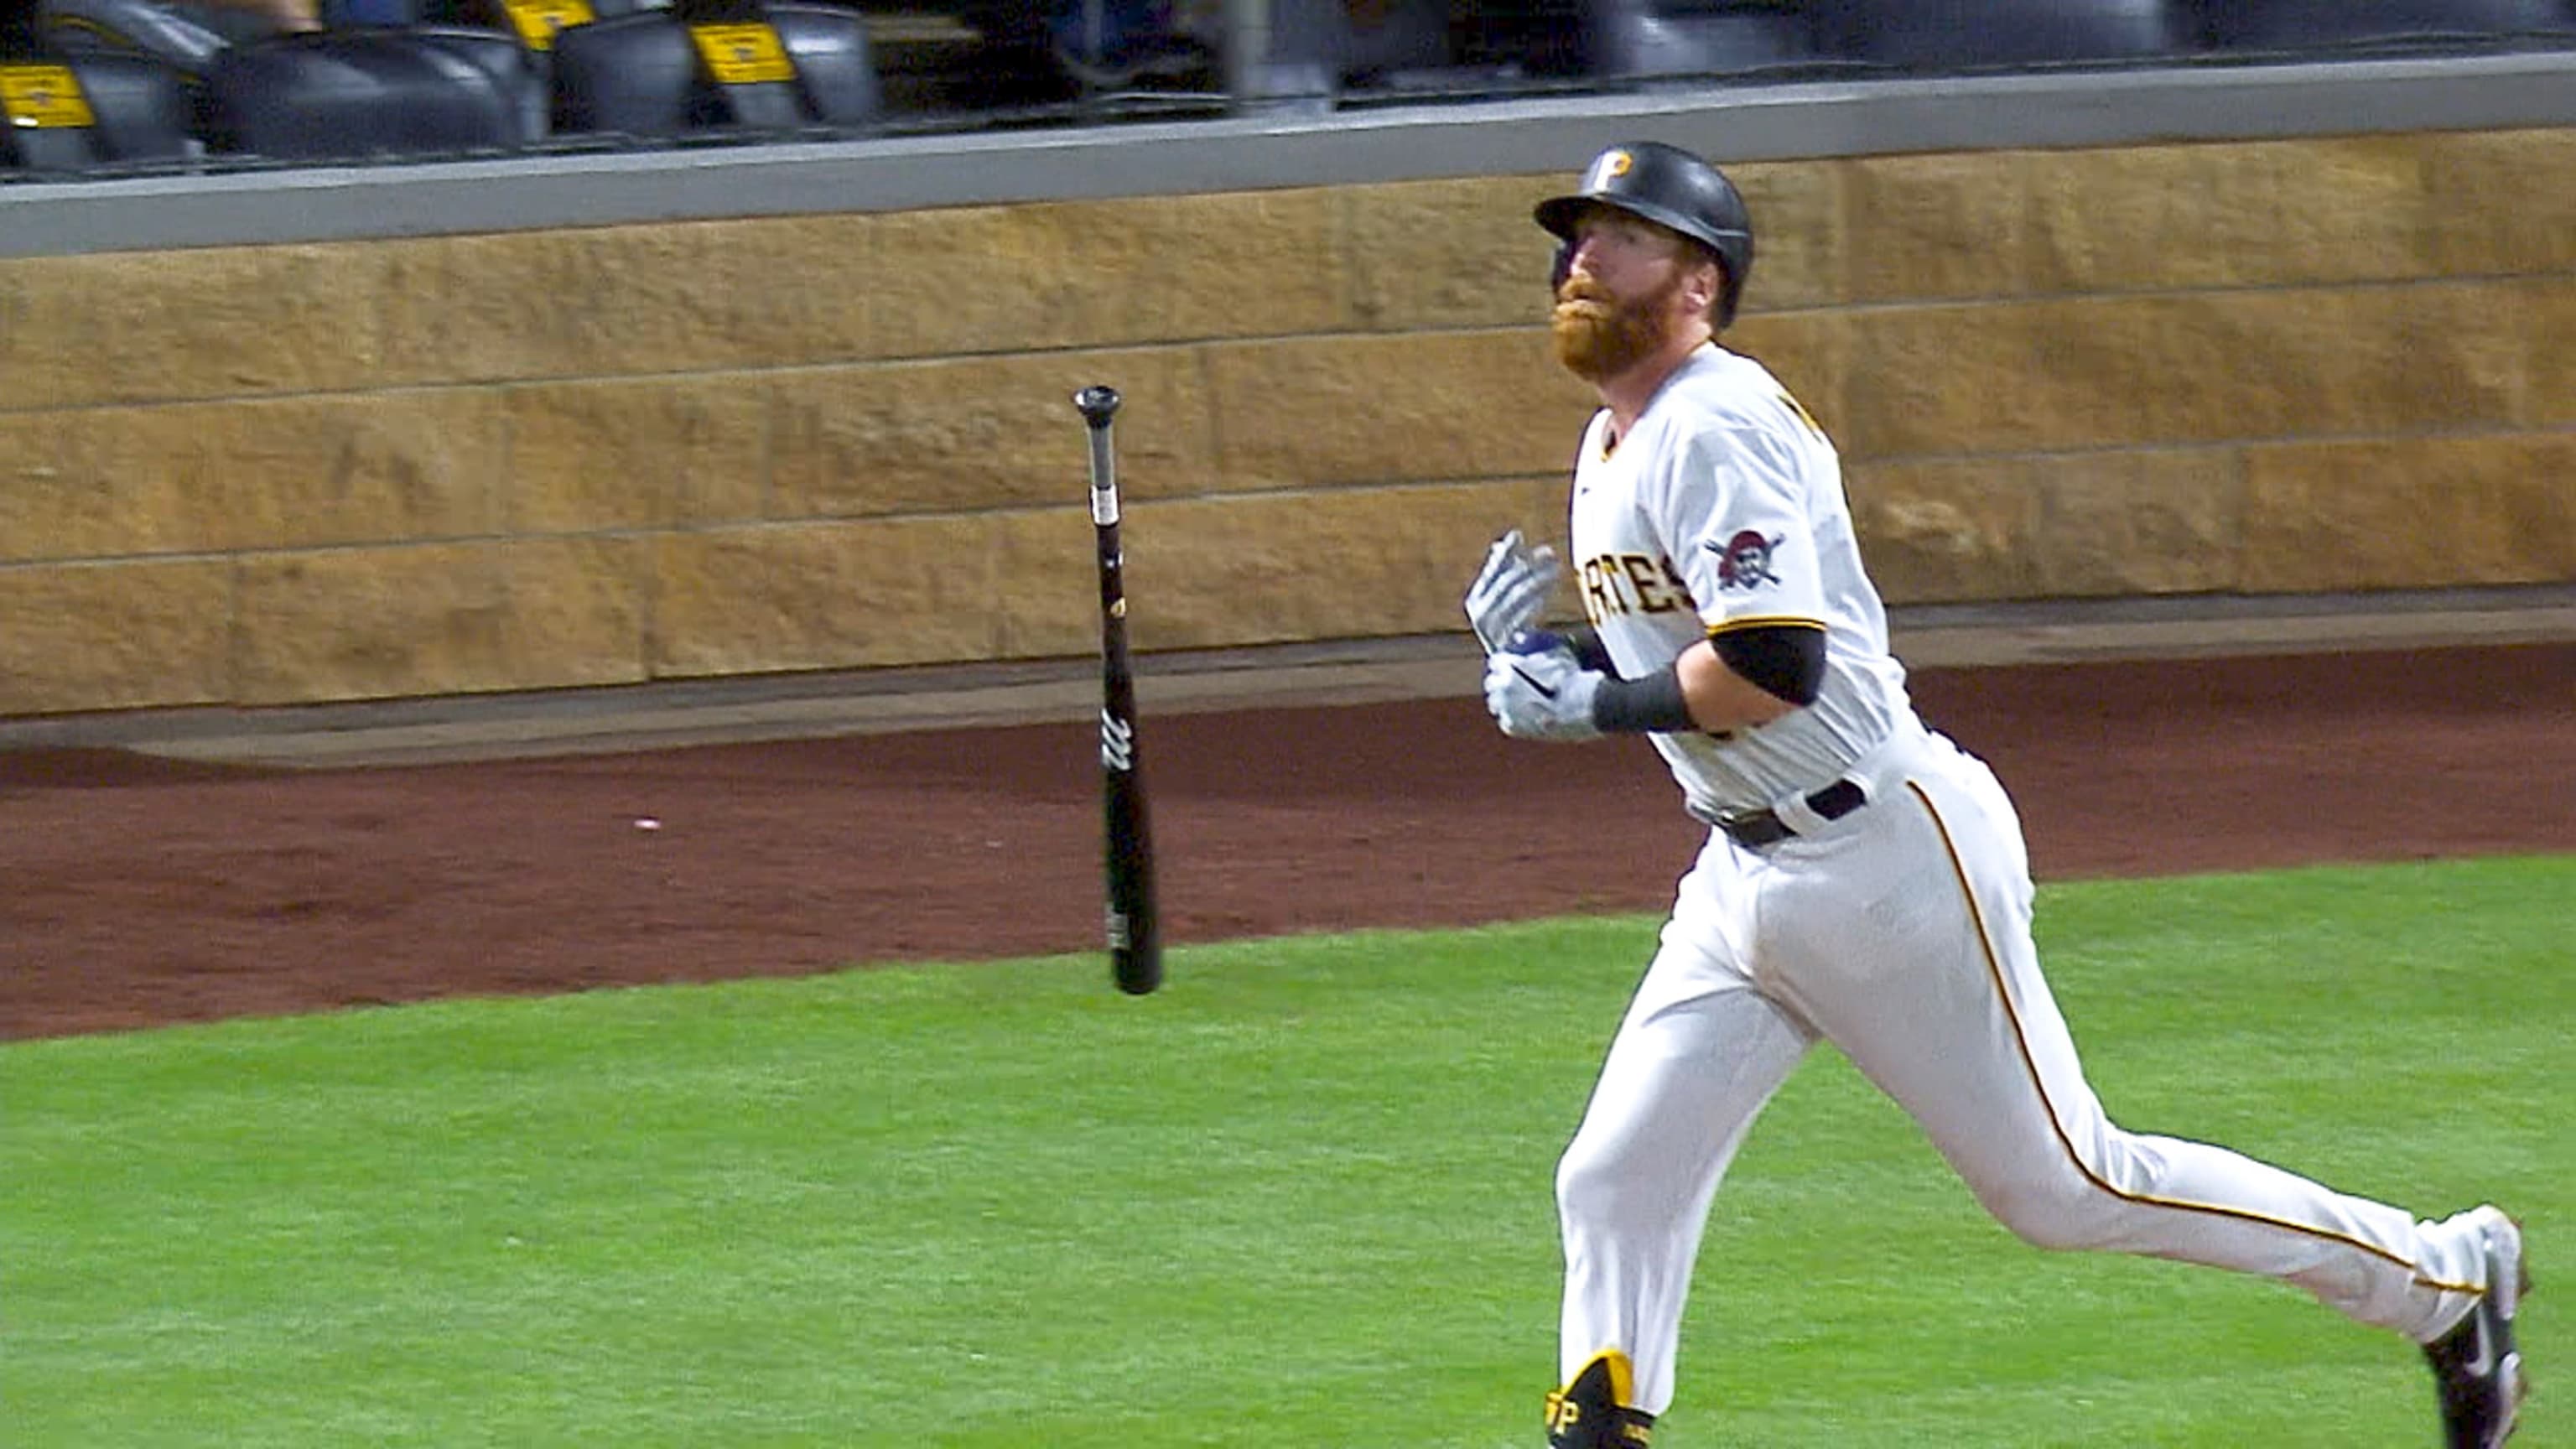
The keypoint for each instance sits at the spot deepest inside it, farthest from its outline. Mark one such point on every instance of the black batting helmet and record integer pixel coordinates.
(1670, 187)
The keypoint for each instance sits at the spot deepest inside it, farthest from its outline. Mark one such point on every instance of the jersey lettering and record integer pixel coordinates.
(1631, 583)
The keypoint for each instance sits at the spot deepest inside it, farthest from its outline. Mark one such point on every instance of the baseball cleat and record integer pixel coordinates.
(2476, 1365)
(1593, 1412)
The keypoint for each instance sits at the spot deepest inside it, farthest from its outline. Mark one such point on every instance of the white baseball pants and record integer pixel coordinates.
(1901, 934)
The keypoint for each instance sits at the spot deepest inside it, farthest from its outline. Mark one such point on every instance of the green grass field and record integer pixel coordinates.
(1300, 1198)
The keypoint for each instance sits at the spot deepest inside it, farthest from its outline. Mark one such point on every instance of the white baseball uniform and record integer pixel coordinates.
(1900, 931)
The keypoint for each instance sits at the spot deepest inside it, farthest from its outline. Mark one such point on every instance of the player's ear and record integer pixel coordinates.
(1704, 284)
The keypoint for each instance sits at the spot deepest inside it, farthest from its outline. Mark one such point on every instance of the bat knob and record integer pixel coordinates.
(1098, 403)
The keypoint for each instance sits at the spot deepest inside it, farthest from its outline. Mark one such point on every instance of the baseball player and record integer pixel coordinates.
(1864, 880)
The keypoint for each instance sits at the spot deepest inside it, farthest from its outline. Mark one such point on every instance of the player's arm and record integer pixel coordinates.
(1745, 674)
(1763, 656)
(1752, 672)
(1751, 565)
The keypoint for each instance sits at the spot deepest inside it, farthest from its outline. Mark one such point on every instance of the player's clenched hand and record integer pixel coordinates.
(1538, 692)
(1511, 590)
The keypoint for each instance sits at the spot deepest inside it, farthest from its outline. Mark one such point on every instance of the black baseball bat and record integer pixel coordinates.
(1135, 931)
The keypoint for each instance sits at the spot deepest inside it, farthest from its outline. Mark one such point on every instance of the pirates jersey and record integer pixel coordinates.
(1723, 509)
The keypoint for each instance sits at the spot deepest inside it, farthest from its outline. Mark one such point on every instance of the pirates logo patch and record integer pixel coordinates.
(1744, 561)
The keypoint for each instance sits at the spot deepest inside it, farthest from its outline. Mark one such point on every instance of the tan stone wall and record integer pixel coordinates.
(300, 473)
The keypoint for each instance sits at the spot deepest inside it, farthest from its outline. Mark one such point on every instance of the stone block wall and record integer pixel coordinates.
(271, 475)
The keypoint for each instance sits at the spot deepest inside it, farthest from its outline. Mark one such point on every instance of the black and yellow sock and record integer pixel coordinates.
(1594, 1411)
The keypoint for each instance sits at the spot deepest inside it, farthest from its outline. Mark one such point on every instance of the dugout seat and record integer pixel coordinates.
(535, 23)
(1701, 37)
(361, 94)
(667, 73)
(1316, 52)
(1539, 39)
(531, 24)
(174, 36)
(1468, 47)
(516, 71)
(1110, 46)
(2295, 25)
(80, 111)
(1969, 34)
(368, 14)
(1402, 45)
(131, 27)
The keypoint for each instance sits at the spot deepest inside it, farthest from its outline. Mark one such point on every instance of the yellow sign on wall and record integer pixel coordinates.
(43, 95)
(740, 55)
(538, 20)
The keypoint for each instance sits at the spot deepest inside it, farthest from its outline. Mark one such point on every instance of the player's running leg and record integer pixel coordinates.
(1907, 944)
(1698, 1054)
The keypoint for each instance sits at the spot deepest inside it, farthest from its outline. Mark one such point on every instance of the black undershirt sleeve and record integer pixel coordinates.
(1784, 660)
(1652, 705)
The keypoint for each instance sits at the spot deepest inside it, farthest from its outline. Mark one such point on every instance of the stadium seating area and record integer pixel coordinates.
(106, 87)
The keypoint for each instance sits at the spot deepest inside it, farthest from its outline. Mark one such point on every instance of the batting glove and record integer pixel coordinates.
(1511, 590)
(1537, 691)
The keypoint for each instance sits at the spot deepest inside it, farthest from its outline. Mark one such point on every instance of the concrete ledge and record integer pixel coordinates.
(816, 706)
(2067, 632)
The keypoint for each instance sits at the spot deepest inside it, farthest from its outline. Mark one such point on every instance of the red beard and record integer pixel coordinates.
(1599, 335)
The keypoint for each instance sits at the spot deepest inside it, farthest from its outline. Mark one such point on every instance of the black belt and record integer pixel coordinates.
(1754, 829)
